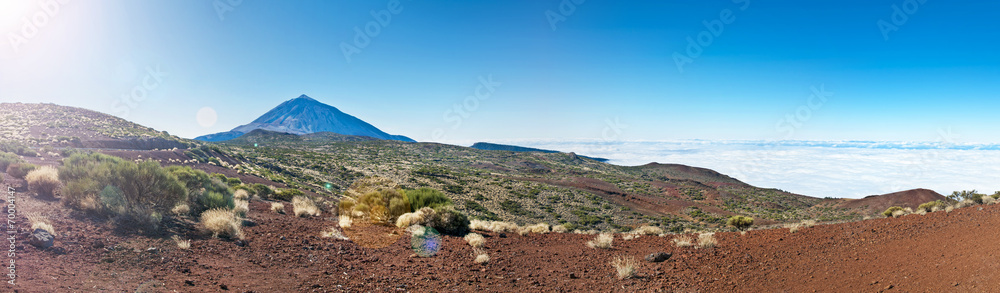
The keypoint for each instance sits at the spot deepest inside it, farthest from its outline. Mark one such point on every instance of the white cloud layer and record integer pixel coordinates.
(851, 169)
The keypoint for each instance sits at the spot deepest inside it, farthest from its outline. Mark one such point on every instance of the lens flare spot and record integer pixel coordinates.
(207, 117)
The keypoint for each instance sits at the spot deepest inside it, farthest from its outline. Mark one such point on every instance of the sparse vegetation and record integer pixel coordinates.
(602, 241)
(647, 230)
(20, 170)
(332, 232)
(7, 159)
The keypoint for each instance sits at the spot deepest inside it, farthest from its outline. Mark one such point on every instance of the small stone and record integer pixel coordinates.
(41, 239)
(188, 282)
(658, 257)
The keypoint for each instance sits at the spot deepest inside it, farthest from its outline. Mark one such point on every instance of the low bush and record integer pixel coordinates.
(241, 208)
(450, 221)
(7, 159)
(740, 222)
(287, 194)
(494, 226)
(134, 195)
(603, 240)
(890, 212)
(560, 229)
(43, 181)
(261, 190)
(426, 197)
(222, 222)
(20, 170)
(930, 206)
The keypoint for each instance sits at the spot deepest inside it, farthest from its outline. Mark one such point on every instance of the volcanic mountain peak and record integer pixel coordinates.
(304, 115)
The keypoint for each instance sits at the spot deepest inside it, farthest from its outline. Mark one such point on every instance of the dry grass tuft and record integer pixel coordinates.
(628, 237)
(181, 209)
(493, 226)
(39, 222)
(560, 229)
(241, 195)
(625, 266)
(333, 233)
(603, 240)
(647, 230)
(540, 228)
(475, 240)
(421, 217)
(707, 240)
(482, 258)
(808, 223)
(222, 222)
(182, 243)
(43, 180)
(683, 241)
(241, 207)
(278, 207)
(345, 221)
(585, 232)
(304, 207)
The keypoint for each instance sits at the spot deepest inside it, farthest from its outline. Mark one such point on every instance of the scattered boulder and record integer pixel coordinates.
(658, 257)
(41, 239)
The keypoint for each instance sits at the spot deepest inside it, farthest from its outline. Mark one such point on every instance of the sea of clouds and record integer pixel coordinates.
(843, 169)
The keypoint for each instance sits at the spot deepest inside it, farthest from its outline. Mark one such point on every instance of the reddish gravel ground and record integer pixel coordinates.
(938, 252)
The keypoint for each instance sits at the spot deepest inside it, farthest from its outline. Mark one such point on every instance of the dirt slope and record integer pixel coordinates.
(910, 198)
(932, 253)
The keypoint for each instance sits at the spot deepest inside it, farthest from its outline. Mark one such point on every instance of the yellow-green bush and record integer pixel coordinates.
(929, 206)
(740, 222)
(888, 212)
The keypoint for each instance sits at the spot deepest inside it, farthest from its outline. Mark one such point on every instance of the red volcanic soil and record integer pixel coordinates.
(909, 198)
(936, 252)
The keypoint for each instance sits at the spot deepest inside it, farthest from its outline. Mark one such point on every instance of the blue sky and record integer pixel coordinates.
(602, 62)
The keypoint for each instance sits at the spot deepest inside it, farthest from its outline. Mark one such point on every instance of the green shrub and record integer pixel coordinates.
(234, 182)
(204, 191)
(929, 206)
(288, 194)
(6, 159)
(212, 200)
(426, 197)
(146, 190)
(449, 221)
(261, 190)
(740, 222)
(888, 212)
(19, 170)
